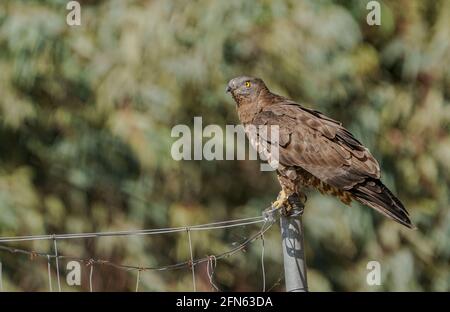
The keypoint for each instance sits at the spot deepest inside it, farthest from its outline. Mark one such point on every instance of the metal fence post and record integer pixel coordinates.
(293, 252)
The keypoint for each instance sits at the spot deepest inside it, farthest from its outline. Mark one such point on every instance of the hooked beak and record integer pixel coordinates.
(228, 89)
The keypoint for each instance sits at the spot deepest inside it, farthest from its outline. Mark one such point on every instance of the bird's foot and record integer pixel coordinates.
(290, 205)
(282, 200)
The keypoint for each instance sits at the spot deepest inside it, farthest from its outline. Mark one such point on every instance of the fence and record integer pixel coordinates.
(292, 237)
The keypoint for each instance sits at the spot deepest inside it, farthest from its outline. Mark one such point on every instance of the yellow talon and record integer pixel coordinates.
(282, 201)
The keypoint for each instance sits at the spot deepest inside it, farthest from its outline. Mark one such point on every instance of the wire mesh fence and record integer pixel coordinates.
(266, 220)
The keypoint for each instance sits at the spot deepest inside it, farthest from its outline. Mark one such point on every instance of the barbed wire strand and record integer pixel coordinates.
(267, 216)
(57, 262)
(201, 227)
(192, 264)
(210, 270)
(49, 271)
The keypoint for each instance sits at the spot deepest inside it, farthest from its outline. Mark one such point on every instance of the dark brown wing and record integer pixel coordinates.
(321, 146)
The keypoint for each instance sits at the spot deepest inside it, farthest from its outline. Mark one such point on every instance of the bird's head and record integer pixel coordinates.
(245, 88)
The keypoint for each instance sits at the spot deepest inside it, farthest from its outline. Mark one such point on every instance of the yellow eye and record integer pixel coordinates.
(248, 84)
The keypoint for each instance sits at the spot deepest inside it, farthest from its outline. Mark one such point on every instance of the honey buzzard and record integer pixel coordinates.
(313, 151)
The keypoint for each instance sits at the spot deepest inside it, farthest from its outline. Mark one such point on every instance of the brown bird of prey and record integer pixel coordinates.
(313, 151)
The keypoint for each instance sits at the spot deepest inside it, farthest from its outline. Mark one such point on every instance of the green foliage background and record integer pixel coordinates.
(86, 115)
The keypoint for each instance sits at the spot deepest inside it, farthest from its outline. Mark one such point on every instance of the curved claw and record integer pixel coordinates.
(292, 205)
